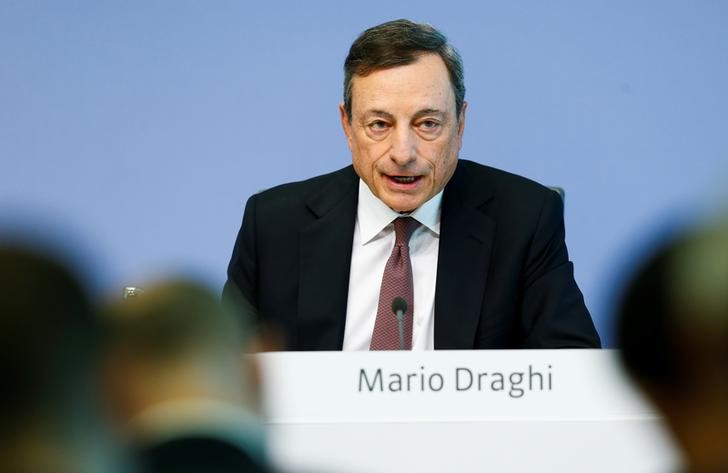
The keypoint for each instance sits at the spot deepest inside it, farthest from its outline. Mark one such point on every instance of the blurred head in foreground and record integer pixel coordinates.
(673, 332)
(50, 341)
(179, 382)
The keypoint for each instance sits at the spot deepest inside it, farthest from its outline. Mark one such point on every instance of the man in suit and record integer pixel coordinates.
(486, 261)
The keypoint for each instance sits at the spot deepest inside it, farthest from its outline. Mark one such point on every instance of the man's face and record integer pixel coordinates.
(404, 135)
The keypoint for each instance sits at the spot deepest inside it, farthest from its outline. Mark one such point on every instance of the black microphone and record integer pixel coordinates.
(399, 307)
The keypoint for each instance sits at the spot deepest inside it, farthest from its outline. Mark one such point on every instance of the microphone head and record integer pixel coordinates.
(399, 304)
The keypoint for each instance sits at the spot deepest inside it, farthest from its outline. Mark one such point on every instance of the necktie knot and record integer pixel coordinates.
(403, 228)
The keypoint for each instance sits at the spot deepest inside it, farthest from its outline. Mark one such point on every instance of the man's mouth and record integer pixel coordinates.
(404, 179)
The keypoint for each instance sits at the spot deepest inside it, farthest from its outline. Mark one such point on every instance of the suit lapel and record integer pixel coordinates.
(325, 260)
(466, 240)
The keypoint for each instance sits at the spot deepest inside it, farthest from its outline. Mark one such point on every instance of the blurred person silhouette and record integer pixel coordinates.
(673, 334)
(50, 341)
(180, 383)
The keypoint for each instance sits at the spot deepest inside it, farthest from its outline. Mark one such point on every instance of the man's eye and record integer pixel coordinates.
(429, 125)
(378, 125)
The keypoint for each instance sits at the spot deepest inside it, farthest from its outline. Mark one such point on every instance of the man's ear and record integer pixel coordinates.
(345, 123)
(461, 121)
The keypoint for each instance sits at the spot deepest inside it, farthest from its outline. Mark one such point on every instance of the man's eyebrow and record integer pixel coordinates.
(420, 113)
(378, 113)
(430, 111)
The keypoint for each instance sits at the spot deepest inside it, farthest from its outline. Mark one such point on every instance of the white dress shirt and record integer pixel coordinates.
(373, 243)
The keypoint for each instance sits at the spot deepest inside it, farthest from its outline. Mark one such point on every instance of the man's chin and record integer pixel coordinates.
(403, 207)
(401, 202)
(404, 212)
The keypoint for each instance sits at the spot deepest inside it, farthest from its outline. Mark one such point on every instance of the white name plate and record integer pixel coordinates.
(437, 386)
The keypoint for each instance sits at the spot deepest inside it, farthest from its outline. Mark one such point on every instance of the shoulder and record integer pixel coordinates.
(196, 453)
(486, 187)
(474, 176)
(282, 197)
(310, 184)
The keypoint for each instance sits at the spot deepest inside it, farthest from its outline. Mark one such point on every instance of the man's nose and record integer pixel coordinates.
(403, 149)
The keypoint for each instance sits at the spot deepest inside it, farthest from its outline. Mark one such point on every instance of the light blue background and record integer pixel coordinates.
(138, 129)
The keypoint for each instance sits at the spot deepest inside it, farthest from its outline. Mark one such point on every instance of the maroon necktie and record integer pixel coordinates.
(396, 283)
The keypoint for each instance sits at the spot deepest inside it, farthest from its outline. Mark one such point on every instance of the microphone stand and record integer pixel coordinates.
(399, 307)
(400, 326)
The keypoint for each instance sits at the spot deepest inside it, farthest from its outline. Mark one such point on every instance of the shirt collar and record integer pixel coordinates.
(373, 215)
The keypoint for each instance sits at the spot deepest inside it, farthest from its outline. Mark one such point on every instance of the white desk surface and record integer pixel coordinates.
(463, 411)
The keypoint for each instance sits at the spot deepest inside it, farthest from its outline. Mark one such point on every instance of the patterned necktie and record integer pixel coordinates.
(396, 283)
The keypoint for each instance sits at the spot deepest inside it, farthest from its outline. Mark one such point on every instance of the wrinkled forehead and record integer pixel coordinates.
(424, 83)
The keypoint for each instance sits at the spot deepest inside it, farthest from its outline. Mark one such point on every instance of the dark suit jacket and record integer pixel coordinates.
(504, 279)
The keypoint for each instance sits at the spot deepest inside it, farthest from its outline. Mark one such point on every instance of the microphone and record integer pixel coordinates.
(399, 307)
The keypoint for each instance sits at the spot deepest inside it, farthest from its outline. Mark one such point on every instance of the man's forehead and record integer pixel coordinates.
(437, 67)
(422, 85)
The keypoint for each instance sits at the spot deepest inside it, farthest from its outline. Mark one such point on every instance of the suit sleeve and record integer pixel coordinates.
(554, 313)
(240, 288)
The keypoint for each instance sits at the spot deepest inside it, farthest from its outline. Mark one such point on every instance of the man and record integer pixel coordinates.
(673, 335)
(482, 259)
(179, 384)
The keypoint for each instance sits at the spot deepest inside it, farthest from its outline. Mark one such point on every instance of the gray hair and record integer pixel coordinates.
(398, 43)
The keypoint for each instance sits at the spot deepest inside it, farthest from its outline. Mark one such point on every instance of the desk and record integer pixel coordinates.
(459, 411)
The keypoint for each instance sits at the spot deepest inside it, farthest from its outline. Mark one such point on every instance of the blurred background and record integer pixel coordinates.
(138, 129)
